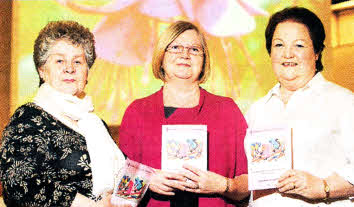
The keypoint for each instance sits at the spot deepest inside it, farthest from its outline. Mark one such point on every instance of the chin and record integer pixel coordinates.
(70, 91)
(288, 77)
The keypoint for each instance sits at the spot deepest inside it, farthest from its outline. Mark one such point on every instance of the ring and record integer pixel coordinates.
(294, 186)
(197, 186)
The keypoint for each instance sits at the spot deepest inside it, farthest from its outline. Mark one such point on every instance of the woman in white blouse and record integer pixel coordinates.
(320, 113)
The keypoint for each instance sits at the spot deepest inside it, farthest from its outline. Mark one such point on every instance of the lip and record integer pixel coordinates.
(69, 80)
(184, 64)
(289, 64)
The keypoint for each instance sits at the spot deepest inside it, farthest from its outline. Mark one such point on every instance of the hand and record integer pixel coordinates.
(206, 182)
(106, 202)
(301, 183)
(166, 182)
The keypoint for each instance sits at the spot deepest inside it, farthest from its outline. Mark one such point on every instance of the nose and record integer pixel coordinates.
(288, 52)
(185, 53)
(69, 68)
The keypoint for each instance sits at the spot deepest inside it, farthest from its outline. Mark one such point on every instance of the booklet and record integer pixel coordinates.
(184, 144)
(269, 154)
(131, 183)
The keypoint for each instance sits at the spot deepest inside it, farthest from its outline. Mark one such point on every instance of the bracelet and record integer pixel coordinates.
(227, 185)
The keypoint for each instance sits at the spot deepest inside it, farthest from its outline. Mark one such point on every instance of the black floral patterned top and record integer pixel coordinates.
(42, 161)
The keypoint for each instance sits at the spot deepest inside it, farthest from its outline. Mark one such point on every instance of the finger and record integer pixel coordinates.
(190, 175)
(287, 185)
(176, 184)
(190, 184)
(193, 169)
(161, 189)
(287, 174)
(286, 180)
(174, 176)
(193, 190)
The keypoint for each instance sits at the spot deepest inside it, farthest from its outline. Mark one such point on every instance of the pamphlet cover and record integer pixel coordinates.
(269, 154)
(131, 183)
(184, 144)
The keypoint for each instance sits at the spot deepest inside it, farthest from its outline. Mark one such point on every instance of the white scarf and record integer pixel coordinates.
(106, 157)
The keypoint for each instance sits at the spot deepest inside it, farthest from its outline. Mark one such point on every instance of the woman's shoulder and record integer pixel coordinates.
(220, 104)
(336, 90)
(25, 111)
(147, 101)
(25, 122)
(213, 98)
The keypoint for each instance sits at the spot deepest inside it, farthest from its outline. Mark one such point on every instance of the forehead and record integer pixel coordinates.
(188, 37)
(65, 47)
(291, 29)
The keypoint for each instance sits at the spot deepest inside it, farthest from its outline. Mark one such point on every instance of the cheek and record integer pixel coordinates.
(52, 75)
(198, 63)
(83, 76)
(275, 56)
(308, 58)
(167, 64)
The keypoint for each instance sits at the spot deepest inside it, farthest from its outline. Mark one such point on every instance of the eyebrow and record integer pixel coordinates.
(62, 54)
(193, 45)
(292, 41)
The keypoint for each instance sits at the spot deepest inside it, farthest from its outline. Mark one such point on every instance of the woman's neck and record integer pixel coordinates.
(285, 94)
(181, 95)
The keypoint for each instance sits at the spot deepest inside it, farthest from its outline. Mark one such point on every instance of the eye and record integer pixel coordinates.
(195, 49)
(278, 45)
(175, 47)
(300, 45)
(77, 62)
(59, 61)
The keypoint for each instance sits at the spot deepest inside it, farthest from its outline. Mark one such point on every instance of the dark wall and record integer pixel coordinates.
(5, 60)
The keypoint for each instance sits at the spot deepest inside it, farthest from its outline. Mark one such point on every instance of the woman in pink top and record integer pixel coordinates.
(181, 61)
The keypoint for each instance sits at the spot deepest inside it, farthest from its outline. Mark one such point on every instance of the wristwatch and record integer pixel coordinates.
(326, 190)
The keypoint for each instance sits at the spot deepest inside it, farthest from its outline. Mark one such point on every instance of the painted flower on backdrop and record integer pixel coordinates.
(126, 34)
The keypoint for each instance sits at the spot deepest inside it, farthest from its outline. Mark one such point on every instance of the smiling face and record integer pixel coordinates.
(184, 65)
(292, 54)
(65, 69)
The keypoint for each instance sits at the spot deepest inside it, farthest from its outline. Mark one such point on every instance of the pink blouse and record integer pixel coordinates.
(140, 137)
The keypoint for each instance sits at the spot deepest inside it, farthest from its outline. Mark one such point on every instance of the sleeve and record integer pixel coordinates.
(129, 133)
(236, 132)
(346, 132)
(241, 127)
(27, 178)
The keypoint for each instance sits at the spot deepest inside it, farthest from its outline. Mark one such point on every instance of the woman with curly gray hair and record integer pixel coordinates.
(55, 150)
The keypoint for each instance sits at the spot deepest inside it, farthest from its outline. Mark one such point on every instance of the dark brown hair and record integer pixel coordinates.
(303, 16)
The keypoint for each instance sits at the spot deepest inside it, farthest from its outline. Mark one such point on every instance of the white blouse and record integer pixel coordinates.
(322, 117)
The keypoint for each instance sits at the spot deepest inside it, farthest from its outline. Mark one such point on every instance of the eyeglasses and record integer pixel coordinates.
(192, 50)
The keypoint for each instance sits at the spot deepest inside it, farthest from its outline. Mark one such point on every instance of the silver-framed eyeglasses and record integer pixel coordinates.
(192, 50)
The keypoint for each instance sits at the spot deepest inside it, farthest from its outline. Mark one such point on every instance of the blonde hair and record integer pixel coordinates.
(167, 37)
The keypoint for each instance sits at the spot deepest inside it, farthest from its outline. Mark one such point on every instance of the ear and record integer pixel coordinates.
(42, 74)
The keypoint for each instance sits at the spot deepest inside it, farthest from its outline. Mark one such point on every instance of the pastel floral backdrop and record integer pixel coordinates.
(126, 31)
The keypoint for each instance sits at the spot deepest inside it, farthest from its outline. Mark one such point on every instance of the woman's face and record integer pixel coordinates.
(292, 54)
(185, 65)
(65, 69)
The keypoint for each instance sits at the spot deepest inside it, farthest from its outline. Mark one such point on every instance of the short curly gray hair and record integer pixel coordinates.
(67, 30)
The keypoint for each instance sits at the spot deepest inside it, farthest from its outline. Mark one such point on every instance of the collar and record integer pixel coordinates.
(315, 83)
